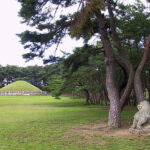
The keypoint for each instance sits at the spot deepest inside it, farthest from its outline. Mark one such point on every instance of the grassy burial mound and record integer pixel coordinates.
(21, 88)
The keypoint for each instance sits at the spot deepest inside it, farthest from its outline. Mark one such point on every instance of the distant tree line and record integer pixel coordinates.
(36, 75)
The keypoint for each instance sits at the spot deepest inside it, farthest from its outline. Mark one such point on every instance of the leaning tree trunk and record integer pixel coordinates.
(124, 60)
(87, 96)
(125, 78)
(148, 94)
(137, 80)
(114, 119)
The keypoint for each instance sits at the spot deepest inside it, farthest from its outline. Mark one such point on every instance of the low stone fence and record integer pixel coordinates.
(9, 93)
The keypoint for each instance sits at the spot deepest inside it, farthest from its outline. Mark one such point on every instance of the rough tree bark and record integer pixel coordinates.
(137, 80)
(124, 60)
(114, 119)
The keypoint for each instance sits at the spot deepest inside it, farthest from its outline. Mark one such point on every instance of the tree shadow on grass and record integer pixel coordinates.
(44, 104)
(59, 104)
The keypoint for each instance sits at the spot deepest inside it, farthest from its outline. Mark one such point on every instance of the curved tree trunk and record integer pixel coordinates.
(125, 61)
(125, 78)
(137, 80)
(86, 93)
(114, 119)
(148, 94)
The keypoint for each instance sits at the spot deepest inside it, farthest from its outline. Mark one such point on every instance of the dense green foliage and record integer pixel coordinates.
(84, 71)
(44, 123)
(19, 86)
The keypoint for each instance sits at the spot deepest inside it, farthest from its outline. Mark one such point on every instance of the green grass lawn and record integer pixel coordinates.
(44, 123)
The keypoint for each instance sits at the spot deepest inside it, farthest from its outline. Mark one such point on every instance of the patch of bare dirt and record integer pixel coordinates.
(94, 133)
(84, 139)
(104, 130)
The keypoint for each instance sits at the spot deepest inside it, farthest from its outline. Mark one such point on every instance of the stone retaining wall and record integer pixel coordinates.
(23, 93)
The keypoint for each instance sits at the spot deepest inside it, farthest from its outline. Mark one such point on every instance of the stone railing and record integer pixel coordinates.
(22, 93)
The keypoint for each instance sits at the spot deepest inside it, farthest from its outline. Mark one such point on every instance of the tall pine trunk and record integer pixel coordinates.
(114, 119)
(124, 60)
(137, 80)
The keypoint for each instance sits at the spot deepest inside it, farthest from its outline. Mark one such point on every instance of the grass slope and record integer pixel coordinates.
(43, 123)
(18, 86)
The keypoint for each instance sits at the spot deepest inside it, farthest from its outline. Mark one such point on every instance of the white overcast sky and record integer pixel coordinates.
(11, 50)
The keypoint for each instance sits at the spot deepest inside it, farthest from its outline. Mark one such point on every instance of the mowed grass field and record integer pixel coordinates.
(44, 123)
